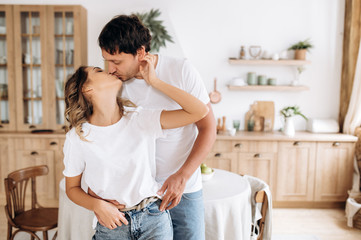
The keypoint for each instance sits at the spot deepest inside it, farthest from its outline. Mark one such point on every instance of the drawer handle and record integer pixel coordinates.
(53, 143)
(237, 145)
(32, 126)
(257, 155)
(336, 144)
(297, 143)
(1, 126)
(217, 155)
(34, 153)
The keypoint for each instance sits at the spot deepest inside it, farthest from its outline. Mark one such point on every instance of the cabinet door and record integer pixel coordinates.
(7, 85)
(260, 165)
(295, 171)
(222, 160)
(46, 187)
(30, 67)
(334, 171)
(68, 29)
(4, 157)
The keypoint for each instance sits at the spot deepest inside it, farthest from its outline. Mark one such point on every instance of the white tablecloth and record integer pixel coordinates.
(227, 202)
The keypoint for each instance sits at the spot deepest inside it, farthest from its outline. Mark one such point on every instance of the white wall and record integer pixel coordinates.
(208, 32)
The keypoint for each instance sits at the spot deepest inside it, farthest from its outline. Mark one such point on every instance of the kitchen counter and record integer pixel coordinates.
(279, 136)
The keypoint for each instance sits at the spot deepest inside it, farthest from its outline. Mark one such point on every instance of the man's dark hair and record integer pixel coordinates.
(124, 34)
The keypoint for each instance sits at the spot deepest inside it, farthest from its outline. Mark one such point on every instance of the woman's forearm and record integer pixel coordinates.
(190, 104)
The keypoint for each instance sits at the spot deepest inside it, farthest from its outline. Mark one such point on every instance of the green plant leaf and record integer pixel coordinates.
(158, 32)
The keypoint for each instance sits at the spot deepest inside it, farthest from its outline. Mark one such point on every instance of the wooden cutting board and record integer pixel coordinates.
(266, 109)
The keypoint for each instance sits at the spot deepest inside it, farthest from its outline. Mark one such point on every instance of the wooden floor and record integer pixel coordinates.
(326, 224)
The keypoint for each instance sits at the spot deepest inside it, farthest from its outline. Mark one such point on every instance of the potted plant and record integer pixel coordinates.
(157, 30)
(301, 48)
(288, 113)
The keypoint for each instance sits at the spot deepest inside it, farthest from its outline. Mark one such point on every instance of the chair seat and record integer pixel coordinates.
(39, 219)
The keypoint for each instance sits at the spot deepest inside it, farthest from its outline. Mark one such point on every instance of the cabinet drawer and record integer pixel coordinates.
(254, 146)
(222, 146)
(37, 144)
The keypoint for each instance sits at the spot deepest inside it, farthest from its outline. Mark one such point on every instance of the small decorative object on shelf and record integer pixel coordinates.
(288, 113)
(301, 48)
(242, 54)
(299, 70)
(255, 51)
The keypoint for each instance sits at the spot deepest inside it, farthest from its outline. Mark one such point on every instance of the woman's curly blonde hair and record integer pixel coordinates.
(78, 108)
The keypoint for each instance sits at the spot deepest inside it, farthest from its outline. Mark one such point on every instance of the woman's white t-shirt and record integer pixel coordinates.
(117, 161)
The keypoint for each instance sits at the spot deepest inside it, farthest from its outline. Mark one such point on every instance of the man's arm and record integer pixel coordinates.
(176, 183)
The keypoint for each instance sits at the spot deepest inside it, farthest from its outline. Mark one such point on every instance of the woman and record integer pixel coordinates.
(113, 148)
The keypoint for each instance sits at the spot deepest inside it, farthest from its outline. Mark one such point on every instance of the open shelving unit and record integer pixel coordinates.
(268, 88)
(284, 62)
(264, 62)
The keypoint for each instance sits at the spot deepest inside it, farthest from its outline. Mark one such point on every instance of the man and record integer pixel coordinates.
(124, 41)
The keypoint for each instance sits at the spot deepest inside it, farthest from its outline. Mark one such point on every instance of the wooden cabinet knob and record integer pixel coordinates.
(297, 143)
(1, 126)
(34, 153)
(53, 143)
(237, 145)
(63, 127)
(336, 144)
(257, 155)
(217, 155)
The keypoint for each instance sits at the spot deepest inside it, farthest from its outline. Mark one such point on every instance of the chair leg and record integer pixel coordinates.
(32, 237)
(10, 230)
(55, 235)
(45, 235)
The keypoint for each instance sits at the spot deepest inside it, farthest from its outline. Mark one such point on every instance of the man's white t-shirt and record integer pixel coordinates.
(117, 161)
(173, 150)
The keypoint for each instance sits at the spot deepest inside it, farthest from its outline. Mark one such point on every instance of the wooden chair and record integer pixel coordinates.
(35, 219)
(261, 197)
(260, 201)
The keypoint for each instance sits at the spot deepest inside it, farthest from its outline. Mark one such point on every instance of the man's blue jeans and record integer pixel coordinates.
(145, 224)
(188, 217)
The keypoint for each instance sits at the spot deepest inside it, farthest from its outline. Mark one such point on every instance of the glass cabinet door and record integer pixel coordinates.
(30, 76)
(63, 57)
(7, 113)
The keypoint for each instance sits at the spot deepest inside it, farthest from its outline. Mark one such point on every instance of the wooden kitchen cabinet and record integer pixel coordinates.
(222, 156)
(7, 83)
(25, 150)
(295, 171)
(307, 170)
(47, 44)
(256, 158)
(334, 170)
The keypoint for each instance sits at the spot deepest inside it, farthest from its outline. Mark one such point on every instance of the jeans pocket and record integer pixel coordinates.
(193, 196)
(153, 209)
(101, 229)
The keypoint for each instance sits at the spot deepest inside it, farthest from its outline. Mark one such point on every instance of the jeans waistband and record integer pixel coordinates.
(141, 205)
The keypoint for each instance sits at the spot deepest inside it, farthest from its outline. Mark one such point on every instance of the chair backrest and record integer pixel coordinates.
(261, 197)
(15, 188)
(261, 208)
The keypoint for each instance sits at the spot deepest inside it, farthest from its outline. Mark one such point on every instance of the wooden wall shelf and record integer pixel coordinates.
(269, 62)
(268, 88)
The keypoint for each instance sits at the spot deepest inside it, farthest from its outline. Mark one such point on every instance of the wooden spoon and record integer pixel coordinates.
(215, 96)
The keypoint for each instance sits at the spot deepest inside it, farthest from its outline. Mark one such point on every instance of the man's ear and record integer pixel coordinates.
(141, 53)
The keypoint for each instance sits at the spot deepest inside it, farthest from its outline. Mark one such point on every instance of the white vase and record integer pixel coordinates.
(289, 128)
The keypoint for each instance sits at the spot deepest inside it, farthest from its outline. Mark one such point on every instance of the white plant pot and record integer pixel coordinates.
(289, 128)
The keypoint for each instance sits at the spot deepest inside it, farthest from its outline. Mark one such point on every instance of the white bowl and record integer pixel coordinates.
(207, 176)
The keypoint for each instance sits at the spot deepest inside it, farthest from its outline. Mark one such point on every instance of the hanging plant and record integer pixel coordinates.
(158, 32)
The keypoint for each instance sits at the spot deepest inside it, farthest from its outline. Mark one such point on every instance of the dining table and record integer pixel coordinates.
(227, 210)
